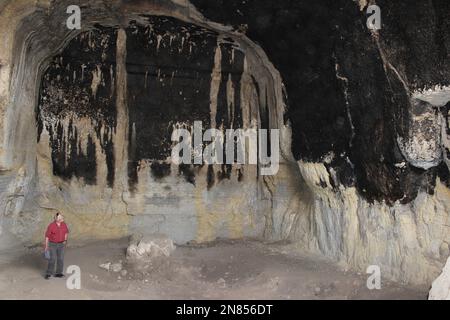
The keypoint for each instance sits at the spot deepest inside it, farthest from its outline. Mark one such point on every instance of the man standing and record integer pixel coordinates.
(55, 241)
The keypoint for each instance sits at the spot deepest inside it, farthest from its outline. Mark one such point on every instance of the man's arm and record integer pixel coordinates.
(47, 233)
(66, 235)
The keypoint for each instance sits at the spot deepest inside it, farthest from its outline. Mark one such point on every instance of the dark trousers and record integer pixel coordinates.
(56, 255)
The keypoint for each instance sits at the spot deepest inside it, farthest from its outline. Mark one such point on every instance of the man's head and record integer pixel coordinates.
(59, 217)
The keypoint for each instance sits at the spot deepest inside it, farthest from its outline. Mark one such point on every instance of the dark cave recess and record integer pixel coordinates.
(341, 99)
(168, 82)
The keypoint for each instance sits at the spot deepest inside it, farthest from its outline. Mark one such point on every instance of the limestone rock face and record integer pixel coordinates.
(422, 147)
(144, 249)
(441, 286)
(408, 242)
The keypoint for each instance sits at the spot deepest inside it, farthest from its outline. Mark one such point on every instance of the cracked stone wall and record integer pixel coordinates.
(106, 100)
(86, 118)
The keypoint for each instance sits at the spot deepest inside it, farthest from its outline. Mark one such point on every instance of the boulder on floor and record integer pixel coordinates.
(148, 247)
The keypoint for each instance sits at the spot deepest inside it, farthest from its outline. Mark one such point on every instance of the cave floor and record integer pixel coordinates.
(220, 270)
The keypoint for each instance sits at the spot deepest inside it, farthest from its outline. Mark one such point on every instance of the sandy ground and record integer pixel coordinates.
(221, 270)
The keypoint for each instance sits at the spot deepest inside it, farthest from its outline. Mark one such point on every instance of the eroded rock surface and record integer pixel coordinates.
(144, 249)
(440, 289)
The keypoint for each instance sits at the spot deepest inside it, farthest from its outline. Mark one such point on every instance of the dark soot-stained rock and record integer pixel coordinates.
(342, 99)
(79, 83)
(348, 91)
(169, 67)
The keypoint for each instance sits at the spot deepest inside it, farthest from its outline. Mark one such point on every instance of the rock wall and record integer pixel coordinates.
(369, 128)
(108, 98)
(87, 118)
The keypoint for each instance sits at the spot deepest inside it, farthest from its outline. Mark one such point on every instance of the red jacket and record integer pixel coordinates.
(55, 233)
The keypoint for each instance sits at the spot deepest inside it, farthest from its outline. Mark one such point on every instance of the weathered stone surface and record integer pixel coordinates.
(440, 289)
(113, 266)
(77, 106)
(116, 267)
(422, 147)
(349, 89)
(407, 242)
(156, 74)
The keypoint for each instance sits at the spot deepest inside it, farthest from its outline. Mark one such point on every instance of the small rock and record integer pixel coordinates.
(317, 289)
(123, 272)
(105, 266)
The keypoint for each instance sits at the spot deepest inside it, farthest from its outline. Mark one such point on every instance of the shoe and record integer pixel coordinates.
(59, 275)
(47, 276)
